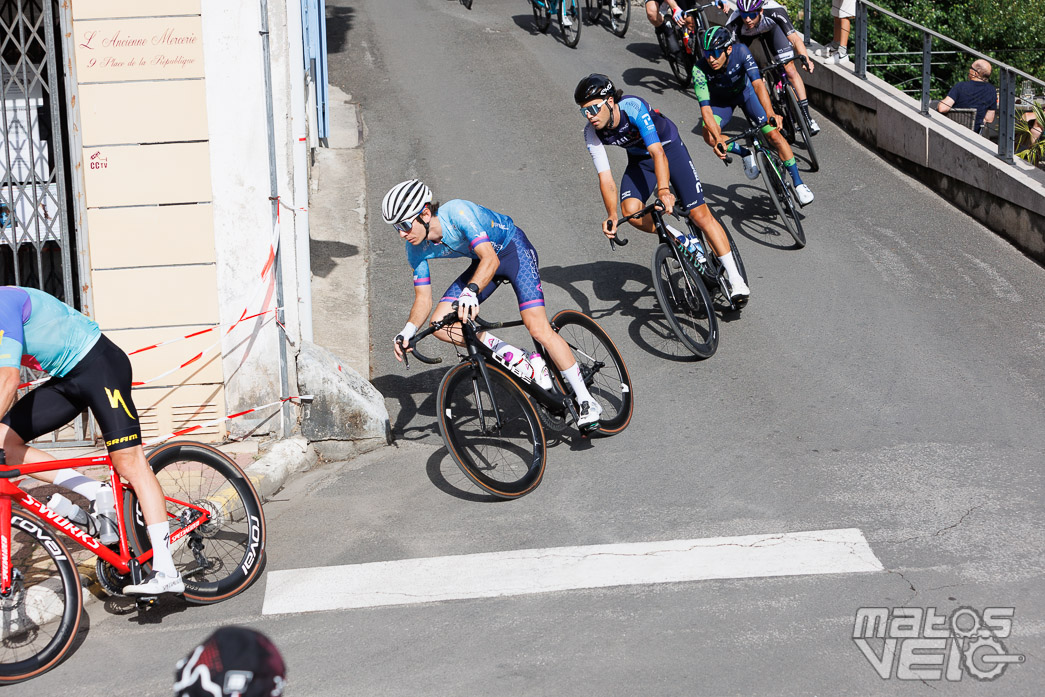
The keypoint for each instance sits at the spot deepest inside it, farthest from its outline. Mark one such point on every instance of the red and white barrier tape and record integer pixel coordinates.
(215, 422)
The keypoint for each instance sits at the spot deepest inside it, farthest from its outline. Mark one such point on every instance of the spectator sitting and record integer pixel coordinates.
(974, 93)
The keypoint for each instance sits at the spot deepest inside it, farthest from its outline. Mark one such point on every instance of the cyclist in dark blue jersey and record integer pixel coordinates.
(657, 161)
(88, 371)
(726, 77)
(754, 18)
(500, 253)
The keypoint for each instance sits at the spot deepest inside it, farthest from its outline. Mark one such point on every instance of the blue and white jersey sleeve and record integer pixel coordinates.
(636, 112)
(13, 305)
(596, 149)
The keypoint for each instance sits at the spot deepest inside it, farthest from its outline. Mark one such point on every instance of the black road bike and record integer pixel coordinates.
(777, 181)
(784, 99)
(618, 13)
(687, 282)
(493, 420)
(569, 12)
(682, 61)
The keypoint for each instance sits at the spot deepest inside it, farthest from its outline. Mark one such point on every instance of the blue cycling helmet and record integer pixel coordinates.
(749, 5)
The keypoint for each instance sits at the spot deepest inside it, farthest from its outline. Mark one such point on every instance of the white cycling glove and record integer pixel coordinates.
(678, 15)
(406, 335)
(468, 298)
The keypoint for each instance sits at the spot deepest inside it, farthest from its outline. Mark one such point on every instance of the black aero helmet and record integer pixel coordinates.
(233, 662)
(595, 86)
(716, 38)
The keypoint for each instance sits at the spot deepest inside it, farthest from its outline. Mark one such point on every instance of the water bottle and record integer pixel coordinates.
(540, 370)
(105, 515)
(513, 359)
(695, 249)
(70, 511)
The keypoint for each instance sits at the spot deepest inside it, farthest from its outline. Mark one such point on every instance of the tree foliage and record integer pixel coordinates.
(1008, 32)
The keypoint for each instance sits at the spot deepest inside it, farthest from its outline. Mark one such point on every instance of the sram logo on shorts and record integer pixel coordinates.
(122, 439)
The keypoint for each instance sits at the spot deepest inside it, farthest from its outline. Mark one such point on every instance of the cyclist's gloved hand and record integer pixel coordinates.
(679, 16)
(402, 339)
(609, 227)
(468, 302)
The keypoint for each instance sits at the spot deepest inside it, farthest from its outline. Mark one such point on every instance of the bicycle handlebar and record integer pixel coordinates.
(10, 473)
(447, 320)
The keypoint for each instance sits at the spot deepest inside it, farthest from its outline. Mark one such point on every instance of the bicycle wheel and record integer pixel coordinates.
(542, 18)
(685, 302)
(225, 555)
(506, 460)
(594, 10)
(570, 22)
(620, 16)
(802, 135)
(602, 368)
(41, 615)
(772, 176)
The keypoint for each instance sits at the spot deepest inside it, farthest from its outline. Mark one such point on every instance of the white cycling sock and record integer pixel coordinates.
(162, 561)
(732, 272)
(84, 486)
(580, 390)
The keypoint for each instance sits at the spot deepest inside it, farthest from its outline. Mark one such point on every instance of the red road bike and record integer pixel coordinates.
(217, 540)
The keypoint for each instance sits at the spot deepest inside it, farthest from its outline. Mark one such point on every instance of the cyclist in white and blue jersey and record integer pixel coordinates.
(657, 161)
(500, 253)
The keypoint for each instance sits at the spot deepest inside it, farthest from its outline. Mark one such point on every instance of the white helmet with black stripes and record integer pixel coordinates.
(405, 200)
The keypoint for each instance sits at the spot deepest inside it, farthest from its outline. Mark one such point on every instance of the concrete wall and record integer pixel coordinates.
(961, 165)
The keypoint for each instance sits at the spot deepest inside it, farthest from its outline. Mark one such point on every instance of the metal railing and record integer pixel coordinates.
(1007, 74)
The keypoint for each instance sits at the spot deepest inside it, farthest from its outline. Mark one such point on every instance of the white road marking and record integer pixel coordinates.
(527, 571)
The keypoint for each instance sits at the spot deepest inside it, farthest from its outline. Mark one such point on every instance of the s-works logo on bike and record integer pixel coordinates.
(913, 643)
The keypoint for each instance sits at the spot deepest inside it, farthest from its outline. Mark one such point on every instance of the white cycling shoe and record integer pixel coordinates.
(814, 127)
(156, 583)
(739, 293)
(589, 415)
(751, 166)
(804, 194)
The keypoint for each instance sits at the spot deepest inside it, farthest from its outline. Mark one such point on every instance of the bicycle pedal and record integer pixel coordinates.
(144, 603)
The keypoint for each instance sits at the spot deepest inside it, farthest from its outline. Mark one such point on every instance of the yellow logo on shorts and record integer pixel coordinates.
(116, 400)
(114, 441)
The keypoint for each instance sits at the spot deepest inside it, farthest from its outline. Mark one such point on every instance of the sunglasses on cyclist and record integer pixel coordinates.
(405, 225)
(750, 15)
(594, 109)
(714, 52)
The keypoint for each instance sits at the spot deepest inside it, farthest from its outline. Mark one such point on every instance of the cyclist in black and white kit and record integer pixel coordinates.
(754, 18)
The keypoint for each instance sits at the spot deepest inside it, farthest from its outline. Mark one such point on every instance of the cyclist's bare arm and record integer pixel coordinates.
(418, 313)
(800, 50)
(714, 132)
(488, 264)
(763, 99)
(608, 189)
(9, 381)
(660, 168)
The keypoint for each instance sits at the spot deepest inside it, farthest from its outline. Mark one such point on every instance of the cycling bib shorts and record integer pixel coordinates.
(519, 266)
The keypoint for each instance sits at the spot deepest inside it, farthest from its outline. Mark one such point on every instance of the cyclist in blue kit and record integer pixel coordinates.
(88, 371)
(726, 77)
(657, 161)
(500, 253)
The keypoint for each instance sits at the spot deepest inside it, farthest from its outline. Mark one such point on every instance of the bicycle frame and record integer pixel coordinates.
(11, 493)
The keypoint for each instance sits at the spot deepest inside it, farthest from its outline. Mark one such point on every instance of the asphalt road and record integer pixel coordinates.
(888, 377)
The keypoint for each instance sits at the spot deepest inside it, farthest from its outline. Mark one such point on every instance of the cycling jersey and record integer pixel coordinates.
(640, 127)
(39, 331)
(774, 17)
(465, 226)
(725, 85)
(774, 26)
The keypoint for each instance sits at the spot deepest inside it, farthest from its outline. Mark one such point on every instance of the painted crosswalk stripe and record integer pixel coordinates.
(528, 571)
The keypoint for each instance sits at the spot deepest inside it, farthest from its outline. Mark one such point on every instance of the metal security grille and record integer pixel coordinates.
(35, 233)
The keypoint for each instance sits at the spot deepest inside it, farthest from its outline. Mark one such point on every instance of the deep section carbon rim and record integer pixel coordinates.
(505, 456)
